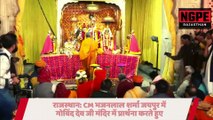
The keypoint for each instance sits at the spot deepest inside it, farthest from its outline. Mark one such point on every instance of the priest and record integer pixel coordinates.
(88, 53)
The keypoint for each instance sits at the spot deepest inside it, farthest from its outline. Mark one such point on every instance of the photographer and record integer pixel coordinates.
(186, 51)
(186, 54)
(7, 101)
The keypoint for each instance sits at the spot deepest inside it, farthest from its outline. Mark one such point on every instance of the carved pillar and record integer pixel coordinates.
(8, 12)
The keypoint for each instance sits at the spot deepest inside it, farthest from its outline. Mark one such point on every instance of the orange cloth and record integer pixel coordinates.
(20, 54)
(209, 99)
(21, 46)
(201, 115)
(88, 54)
(40, 63)
(136, 92)
(73, 94)
(87, 47)
(34, 81)
(137, 79)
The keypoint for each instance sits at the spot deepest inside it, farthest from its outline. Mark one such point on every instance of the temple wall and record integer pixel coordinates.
(184, 4)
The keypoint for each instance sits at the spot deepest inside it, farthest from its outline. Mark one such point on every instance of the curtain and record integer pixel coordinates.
(20, 53)
(145, 17)
(128, 17)
(35, 28)
(146, 20)
(168, 72)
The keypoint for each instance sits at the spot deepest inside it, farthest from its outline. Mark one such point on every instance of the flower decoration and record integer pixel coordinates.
(81, 77)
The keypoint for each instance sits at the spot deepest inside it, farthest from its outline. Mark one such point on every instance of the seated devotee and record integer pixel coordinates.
(86, 89)
(123, 85)
(152, 87)
(137, 91)
(39, 64)
(192, 78)
(191, 92)
(62, 92)
(186, 81)
(45, 89)
(162, 88)
(104, 92)
(197, 81)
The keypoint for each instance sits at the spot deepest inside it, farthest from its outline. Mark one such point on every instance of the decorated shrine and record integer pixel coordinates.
(103, 20)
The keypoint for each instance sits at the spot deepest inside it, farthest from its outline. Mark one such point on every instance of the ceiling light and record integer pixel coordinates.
(92, 7)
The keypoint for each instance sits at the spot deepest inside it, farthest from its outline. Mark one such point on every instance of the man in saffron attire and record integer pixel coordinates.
(137, 91)
(88, 53)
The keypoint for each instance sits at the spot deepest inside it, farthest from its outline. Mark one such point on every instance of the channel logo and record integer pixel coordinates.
(194, 18)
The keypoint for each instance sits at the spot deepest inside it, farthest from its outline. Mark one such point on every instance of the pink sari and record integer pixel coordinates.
(48, 45)
(134, 44)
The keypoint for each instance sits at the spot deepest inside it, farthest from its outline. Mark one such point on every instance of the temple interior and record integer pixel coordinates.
(77, 45)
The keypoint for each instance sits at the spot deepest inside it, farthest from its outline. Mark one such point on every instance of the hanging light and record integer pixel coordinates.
(74, 19)
(108, 19)
(92, 7)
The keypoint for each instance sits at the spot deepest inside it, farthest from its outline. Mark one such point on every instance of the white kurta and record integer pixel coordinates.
(206, 80)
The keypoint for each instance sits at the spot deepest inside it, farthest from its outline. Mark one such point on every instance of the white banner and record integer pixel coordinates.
(107, 109)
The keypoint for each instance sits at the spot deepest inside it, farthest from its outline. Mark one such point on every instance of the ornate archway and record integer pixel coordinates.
(73, 13)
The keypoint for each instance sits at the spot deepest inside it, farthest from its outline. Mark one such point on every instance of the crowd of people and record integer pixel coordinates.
(196, 54)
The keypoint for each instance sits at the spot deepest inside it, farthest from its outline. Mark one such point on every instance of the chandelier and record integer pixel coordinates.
(75, 11)
(108, 19)
(74, 19)
(92, 7)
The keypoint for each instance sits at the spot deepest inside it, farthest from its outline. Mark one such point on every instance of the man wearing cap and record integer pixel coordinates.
(88, 53)
(137, 91)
